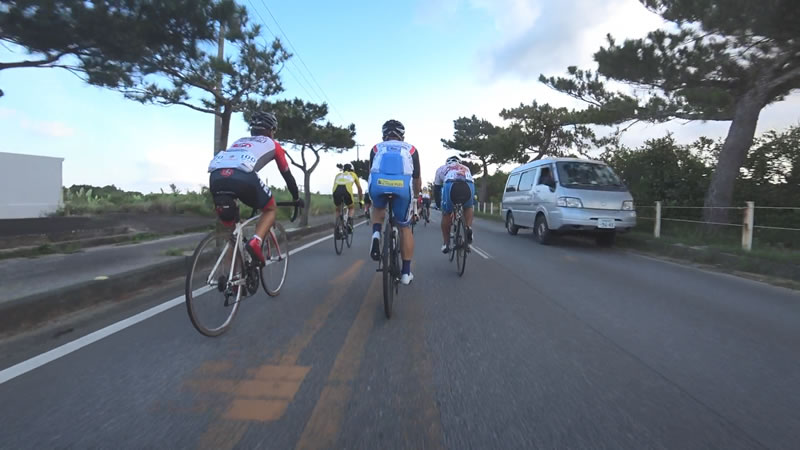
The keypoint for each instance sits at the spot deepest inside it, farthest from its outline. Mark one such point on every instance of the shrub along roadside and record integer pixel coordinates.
(91, 200)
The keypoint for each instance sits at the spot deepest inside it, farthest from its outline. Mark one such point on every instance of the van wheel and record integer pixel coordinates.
(541, 231)
(510, 226)
(606, 239)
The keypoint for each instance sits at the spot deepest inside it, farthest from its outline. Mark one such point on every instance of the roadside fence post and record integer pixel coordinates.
(491, 208)
(747, 226)
(657, 226)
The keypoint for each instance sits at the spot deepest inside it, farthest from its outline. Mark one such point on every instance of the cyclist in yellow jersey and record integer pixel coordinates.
(343, 192)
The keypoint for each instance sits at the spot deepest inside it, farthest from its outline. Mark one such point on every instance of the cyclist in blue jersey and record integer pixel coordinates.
(394, 169)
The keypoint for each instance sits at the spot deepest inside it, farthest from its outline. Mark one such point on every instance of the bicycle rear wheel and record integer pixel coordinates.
(461, 246)
(276, 252)
(388, 271)
(453, 240)
(349, 236)
(338, 235)
(211, 299)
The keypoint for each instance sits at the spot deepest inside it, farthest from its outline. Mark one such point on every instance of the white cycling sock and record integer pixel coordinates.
(255, 236)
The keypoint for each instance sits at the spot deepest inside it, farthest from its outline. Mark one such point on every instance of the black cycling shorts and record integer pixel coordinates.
(246, 186)
(342, 195)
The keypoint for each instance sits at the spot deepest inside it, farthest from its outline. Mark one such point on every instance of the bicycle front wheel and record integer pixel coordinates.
(276, 253)
(388, 275)
(461, 246)
(212, 295)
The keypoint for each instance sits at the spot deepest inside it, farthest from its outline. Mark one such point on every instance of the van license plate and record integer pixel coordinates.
(606, 223)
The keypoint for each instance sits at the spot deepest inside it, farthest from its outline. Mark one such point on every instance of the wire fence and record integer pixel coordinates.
(747, 227)
(762, 226)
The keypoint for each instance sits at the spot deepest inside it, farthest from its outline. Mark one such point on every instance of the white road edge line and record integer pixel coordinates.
(63, 350)
(481, 252)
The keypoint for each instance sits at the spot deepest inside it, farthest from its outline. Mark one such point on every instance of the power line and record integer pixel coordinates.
(311, 74)
(288, 69)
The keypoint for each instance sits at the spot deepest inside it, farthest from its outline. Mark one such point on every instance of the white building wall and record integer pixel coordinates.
(30, 186)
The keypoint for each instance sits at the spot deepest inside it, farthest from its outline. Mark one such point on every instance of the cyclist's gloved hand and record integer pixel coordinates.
(300, 203)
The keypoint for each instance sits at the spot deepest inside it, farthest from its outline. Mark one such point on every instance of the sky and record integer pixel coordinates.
(424, 62)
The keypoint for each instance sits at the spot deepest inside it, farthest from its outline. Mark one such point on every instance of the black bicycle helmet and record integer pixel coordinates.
(265, 120)
(347, 168)
(393, 128)
(453, 159)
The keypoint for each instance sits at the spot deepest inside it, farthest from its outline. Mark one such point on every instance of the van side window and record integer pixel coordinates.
(546, 176)
(513, 181)
(526, 182)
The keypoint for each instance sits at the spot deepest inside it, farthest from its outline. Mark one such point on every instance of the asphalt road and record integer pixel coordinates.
(567, 346)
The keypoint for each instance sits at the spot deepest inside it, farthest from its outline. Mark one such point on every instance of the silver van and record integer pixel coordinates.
(567, 195)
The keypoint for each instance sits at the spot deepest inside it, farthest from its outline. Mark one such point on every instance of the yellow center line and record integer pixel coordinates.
(323, 426)
(266, 396)
(320, 315)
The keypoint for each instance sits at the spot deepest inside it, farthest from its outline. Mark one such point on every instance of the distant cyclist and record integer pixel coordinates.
(393, 165)
(234, 175)
(454, 181)
(343, 192)
(426, 203)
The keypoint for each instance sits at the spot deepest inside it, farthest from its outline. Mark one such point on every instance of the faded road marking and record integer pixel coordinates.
(322, 427)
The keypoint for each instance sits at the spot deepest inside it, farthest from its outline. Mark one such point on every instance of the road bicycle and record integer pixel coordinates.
(389, 264)
(458, 236)
(426, 214)
(342, 231)
(218, 280)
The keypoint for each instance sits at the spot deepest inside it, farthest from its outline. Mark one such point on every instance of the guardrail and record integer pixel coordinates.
(747, 223)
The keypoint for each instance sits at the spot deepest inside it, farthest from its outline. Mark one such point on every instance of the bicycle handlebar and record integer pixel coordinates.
(296, 205)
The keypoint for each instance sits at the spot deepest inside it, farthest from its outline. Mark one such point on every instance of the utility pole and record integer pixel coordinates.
(358, 147)
(218, 108)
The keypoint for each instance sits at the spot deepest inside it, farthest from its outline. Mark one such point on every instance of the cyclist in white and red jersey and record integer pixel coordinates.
(453, 184)
(234, 175)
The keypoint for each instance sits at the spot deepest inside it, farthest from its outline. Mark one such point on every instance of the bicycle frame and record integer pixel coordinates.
(237, 238)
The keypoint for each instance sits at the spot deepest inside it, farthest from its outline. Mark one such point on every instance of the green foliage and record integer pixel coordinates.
(661, 170)
(107, 42)
(482, 144)
(361, 168)
(190, 79)
(303, 126)
(543, 130)
(84, 199)
(722, 60)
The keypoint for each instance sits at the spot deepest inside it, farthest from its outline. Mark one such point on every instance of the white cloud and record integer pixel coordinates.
(561, 34)
(5, 113)
(47, 128)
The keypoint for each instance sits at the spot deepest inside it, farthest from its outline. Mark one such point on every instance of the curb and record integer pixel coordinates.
(29, 311)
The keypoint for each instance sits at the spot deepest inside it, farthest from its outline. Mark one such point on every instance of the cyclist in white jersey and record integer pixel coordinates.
(453, 184)
(234, 175)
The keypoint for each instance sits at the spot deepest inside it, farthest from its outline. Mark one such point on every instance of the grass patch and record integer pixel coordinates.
(483, 215)
(768, 261)
(175, 251)
(140, 237)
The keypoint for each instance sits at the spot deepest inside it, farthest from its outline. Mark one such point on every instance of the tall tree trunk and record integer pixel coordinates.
(483, 190)
(225, 128)
(306, 197)
(732, 156)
